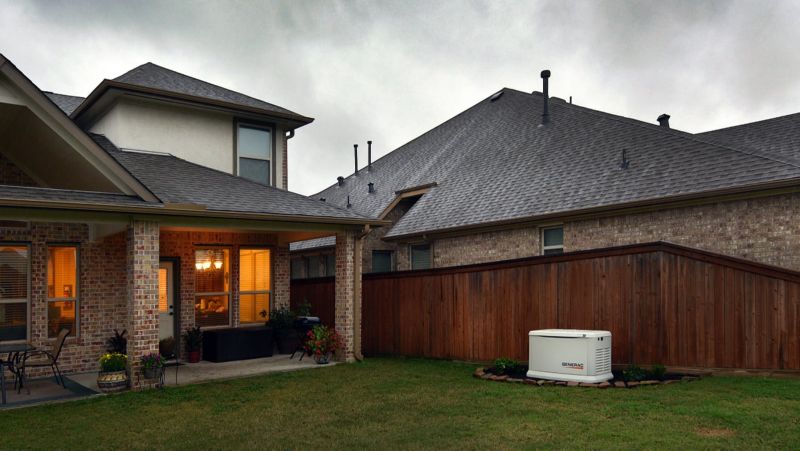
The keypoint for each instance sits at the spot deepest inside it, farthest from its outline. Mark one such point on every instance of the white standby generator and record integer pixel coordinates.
(570, 355)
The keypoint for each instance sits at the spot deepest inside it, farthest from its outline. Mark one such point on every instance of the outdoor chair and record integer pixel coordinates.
(43, 359)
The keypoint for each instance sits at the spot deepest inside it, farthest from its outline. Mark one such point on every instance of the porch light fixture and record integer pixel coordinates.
(218, 264)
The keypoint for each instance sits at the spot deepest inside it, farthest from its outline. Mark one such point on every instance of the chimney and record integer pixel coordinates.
(340, 180)
(546, 107)
(369, 155)
(370, 187)
(663, 120)
(355, 153)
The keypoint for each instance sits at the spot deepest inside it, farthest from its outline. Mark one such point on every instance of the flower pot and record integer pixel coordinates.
(112, 381)
(322, 359)
(194, 356)
(153, 372)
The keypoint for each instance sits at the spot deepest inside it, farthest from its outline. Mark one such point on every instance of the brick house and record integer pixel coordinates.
(155, 204)
(522, 174)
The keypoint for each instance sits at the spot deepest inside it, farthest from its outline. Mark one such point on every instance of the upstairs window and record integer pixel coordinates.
(553, 240)
(421, 256)
(254, 153)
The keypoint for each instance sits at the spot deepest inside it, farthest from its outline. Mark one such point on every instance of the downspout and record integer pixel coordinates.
(357, 293)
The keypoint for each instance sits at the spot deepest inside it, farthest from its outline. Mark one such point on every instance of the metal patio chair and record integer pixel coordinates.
(43, 359)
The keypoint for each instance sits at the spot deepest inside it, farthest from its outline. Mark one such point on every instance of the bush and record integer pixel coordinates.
(634, 373)
(193, 339)
(507, 366)
(304, 309)
(322, 340)
(658, 371)
(113, 361)
(281, 319)
(117, 343)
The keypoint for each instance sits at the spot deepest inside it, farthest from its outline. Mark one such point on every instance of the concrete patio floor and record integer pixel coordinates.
(204, 371)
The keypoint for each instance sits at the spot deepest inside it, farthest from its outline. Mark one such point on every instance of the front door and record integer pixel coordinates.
(166, 301)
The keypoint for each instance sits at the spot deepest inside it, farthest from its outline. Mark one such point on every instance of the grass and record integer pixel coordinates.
(409, 403)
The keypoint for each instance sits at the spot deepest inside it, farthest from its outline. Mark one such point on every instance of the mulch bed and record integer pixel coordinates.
(519, 377)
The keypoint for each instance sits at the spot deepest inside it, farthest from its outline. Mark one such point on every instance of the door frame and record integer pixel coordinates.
(176, 299)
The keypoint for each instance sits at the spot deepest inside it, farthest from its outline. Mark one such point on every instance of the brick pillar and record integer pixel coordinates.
(142, 255)
(346, 292)
(282, 269)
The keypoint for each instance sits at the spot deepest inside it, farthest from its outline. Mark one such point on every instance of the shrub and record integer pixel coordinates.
(634, 373)
(193, 339)
(281, 319)
(118, 343)
(322, 340)
(113, 361)
(658, 371)
(507, 366)
(153, 360)
(304, 309)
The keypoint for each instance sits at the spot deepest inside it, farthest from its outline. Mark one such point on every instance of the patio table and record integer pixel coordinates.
(13, 350)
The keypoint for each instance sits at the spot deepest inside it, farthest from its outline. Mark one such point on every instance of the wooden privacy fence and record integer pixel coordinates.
(662, 302)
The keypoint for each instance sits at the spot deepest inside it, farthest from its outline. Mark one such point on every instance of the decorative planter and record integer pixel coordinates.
(112, 381)
(323, 359)
(153, 373)
(194, 356)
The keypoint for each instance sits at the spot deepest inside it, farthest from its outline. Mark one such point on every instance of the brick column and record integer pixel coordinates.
(282, 269)
(347, 292)
(142, 256)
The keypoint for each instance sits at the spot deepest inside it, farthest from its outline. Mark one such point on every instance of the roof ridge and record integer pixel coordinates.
(672, 131)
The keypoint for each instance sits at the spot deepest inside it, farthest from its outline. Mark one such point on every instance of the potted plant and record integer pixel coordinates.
(166, 347)
(113, 376)
(194, 341)
(322, 342)
(282, 323)
(118, 343)
(152, 365)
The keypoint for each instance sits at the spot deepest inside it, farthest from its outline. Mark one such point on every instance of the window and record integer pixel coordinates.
(62, 290)
(212, 287)
(420, 256)
(14, 292)
(298, 268)
(314, 263)
(254, 153)
(382, 261)
(553, 240)
(254, 284)
(330, 264)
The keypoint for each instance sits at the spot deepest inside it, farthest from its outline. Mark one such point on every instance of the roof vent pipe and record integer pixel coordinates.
(340, 180)
(348, 202)
(370, 187)
(546, 95)
(663, 120)
(369, 155)
(355, 154)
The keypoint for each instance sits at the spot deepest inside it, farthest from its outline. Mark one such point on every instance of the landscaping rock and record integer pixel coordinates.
(561, 383)
(603, 385)
(588, 384)
(670, 381)
(545, 382)
(487, 376)
(648, 382)
(619, 384)
(689, 378)
(502, 378)
(531, 382)
(573, 384)
(480, 372)
(632, 384)
(514, 380)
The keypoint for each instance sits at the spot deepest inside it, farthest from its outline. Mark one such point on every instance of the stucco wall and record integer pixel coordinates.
(200, 136)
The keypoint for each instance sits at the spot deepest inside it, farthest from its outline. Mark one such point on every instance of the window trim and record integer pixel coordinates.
(550, 248)
(237, 123)
(75, 299)
(239, 290)
(214, 293)
(17, 301)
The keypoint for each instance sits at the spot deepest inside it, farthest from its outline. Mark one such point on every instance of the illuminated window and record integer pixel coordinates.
(254, 285)
(212, 287)
(62, 290)
(163, 296)
(553, 240)
(14, 292)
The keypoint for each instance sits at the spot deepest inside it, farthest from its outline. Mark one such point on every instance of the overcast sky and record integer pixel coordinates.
(391, 70)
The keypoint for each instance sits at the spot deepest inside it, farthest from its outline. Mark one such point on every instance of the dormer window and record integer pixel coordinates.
(254, 153)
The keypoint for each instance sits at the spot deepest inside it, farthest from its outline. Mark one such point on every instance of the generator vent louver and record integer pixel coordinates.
(602, 360)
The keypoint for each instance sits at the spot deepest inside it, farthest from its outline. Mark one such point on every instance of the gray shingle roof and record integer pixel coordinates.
(65, 195)
(65, 102)
(177, 181)
(493, 162)
(316, 243)
(150, 75)
(778, 137)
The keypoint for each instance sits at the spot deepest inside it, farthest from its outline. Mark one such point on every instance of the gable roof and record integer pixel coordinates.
(66, 103)
(777, 137)
(179, 182)
(152, 79)
(494, 163)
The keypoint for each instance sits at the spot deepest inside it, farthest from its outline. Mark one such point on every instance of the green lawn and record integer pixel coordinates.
(407, 403)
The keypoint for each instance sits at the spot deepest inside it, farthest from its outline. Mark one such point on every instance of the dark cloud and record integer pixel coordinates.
(390, 70)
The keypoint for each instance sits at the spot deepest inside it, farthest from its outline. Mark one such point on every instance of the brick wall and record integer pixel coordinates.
(142, 299)
(346, 293)
(102, 288)
(10, 174)
(485, 247)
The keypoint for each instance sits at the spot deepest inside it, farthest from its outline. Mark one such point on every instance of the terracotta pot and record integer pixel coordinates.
(194, 356)
(112, 381)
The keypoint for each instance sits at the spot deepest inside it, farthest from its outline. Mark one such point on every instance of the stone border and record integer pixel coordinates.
(481, 373)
